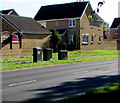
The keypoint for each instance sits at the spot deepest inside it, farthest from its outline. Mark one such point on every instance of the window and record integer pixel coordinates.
(92, 38)
(99, 39)
(72, 23)
(71, 39)
(85, 39)
(116, 31)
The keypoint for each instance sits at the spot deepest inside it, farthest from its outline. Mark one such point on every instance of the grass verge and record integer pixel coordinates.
(76, 53)
(106, 94)
(53, 62)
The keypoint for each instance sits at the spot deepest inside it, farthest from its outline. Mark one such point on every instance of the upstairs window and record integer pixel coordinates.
(72, 23)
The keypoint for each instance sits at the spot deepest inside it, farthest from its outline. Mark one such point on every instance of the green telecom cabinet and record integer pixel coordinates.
(37, 54)
(47, 54)
(63, 55)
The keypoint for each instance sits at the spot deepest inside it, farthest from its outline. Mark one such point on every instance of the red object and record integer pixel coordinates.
(14, 38)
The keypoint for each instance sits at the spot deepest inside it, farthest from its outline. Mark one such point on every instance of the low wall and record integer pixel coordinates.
(105, 45)
(15, 52)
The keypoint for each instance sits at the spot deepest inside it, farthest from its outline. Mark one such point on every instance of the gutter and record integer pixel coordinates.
(28, 32)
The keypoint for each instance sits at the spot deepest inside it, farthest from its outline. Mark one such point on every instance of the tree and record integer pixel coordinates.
(55, 40)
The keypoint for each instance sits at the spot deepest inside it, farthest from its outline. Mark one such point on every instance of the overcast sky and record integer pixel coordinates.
(29, 8)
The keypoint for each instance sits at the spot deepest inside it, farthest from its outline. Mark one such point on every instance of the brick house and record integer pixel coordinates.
(115, 29)
(77, 23)
(19, 35)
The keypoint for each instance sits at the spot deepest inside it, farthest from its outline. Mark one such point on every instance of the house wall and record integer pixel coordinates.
(113, 35)
(86, 29)
(29, 41)
(57, 24)
(83, 27)
(6, 52)
(15, 52)
(76, 32)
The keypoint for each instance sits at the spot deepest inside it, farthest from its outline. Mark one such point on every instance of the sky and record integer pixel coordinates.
(29, 8)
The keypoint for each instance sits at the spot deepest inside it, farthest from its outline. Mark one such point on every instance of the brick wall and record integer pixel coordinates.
(57, 24)
(15, 52)
(86, 29)
(83, 27)
(105, 45)
(113, 35)
(29, 41)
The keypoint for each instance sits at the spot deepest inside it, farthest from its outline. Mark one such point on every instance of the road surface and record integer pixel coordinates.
(46, 84)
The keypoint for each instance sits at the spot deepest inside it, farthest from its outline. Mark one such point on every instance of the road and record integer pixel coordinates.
(53, 83)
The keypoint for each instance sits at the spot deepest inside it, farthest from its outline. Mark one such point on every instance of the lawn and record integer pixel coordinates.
(71, 54)
(106, 94)
(53, 62)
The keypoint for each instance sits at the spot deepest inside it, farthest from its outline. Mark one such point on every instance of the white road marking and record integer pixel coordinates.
(85, 71)
(76, 73)
(26, 82)
(79, 72)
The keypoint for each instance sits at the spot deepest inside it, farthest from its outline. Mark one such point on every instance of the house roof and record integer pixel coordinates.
(9, 12)
(60, 11)
(116, 23)
(98, 18)
(25, 24)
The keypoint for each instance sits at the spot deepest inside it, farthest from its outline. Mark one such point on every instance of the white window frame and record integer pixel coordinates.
(72, 22)
(84, 40)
